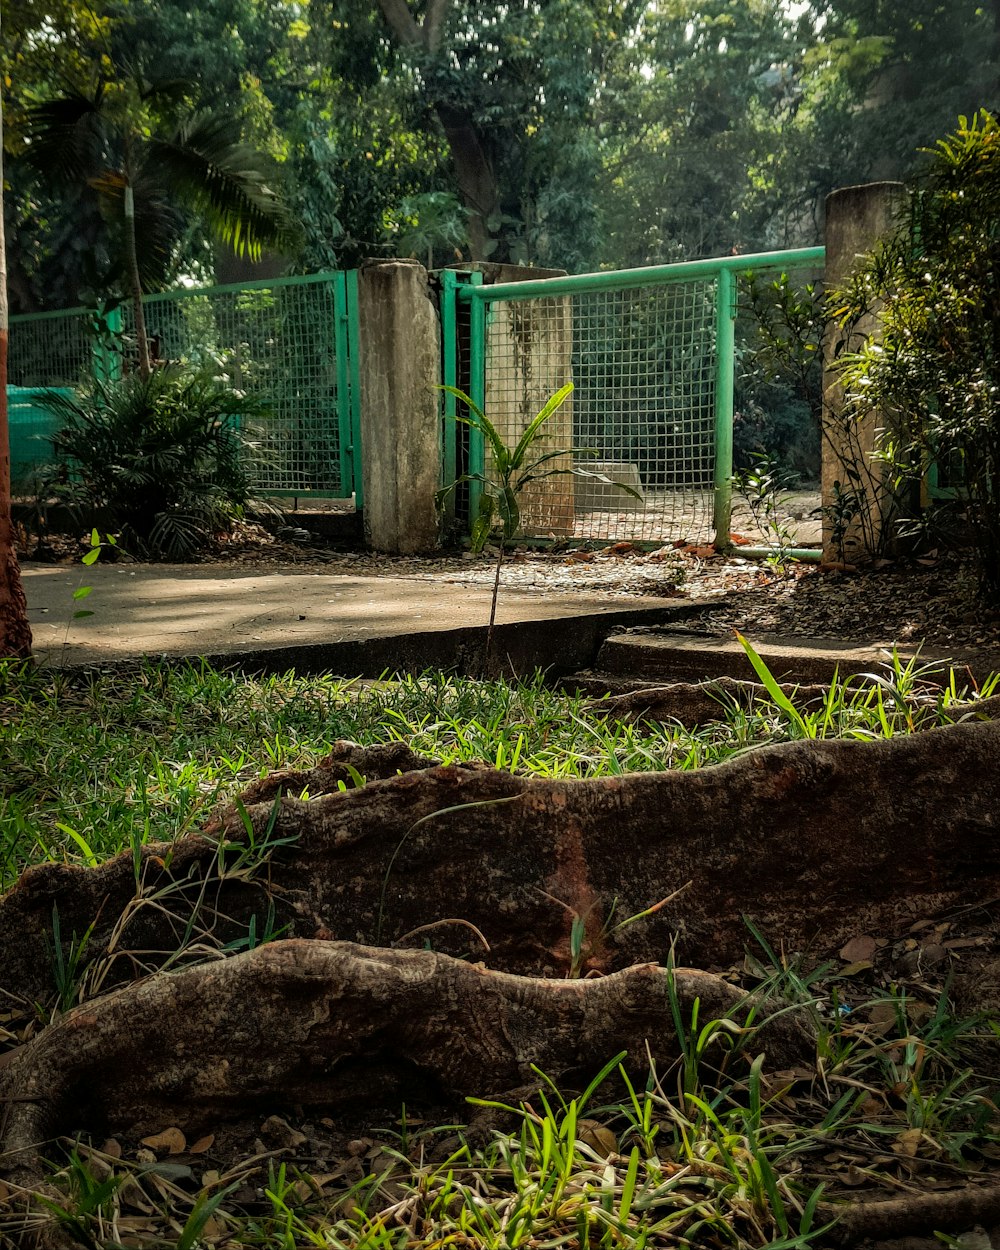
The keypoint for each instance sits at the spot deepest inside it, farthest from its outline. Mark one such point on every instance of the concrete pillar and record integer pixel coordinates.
(400, 364)
(856, 218)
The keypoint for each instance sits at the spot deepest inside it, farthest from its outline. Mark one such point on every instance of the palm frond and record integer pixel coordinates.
(227, 180)
(67, 140)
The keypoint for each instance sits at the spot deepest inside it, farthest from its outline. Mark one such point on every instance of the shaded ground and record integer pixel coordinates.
(931, 600)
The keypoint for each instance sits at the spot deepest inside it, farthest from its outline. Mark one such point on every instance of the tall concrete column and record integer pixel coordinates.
(400, 365)
(856, 219)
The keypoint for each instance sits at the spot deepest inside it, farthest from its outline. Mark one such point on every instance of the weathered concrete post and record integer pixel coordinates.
(399, 339)
(856, 218)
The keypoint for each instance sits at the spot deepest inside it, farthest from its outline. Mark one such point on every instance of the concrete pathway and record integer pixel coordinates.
(278, 617)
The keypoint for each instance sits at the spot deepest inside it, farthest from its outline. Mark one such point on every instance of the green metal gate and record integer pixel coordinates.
(292, 342)
(651, 354)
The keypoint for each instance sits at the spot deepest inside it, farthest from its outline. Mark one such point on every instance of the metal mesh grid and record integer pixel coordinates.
(51, 349)
(277, 342)
(643, 364)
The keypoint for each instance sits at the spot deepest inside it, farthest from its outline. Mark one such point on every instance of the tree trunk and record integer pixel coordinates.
(132, 261)
(474, 175)
(15, 632)
(473, 172)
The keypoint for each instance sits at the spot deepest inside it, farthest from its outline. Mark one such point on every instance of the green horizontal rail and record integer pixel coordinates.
(22, 318)
(259, 284)
(623, 279)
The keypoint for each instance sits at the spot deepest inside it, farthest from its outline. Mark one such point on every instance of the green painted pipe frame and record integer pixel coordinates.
(620, 279)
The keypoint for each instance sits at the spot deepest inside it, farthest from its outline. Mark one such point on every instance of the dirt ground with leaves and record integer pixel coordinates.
(931, 599)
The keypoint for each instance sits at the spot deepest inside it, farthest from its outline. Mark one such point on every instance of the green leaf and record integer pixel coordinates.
(82, 592)
(81, 842)
(531, 433)
(481, 422)
(509, 511)
(482, 527)
(770, 684)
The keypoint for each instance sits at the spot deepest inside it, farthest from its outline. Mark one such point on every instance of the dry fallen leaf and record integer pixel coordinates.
(171, 1141)
(908, 1142)
(202, 1144)
(859, 965)
(214, 1229)
(918, 1013)
(883, 1016)
(859, 948)
(599, 1138)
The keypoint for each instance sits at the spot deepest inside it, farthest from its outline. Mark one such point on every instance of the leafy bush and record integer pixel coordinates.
(165, 455)
(779, 382)
(933, 374)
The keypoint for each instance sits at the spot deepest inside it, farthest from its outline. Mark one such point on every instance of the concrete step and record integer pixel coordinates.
(645, 656)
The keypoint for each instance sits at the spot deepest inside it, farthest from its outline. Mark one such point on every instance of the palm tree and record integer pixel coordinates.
(147, 155)
(15, 632)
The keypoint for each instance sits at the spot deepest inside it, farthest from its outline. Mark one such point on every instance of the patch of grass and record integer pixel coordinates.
(717, 1151)
(93, 764)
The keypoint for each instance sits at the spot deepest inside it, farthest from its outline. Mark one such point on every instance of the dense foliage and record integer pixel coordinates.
(572, 134)
(164, 455)
(933, 374)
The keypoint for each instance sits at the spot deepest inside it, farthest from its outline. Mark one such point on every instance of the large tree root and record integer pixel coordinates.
(697, 703)
(335, 1025)
(832, 838)
(953, 1210)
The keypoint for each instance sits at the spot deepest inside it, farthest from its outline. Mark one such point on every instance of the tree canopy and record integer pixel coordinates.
(572, 133)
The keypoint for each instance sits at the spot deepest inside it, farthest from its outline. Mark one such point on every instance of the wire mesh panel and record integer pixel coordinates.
(643, 364)
(277, 342)
(51, 351)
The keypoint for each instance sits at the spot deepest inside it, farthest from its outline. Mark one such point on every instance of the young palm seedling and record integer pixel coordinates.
(512, 470)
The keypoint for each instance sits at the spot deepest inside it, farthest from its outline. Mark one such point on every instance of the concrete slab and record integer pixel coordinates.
(272, 619)
(667, 656)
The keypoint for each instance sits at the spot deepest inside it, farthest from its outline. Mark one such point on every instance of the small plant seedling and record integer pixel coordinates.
(82, 591)
(763, 486)
(97, 545)
(513, 469)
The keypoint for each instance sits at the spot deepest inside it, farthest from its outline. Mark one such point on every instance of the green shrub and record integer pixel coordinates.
(779, 376)
(164, 455)
(933, 375)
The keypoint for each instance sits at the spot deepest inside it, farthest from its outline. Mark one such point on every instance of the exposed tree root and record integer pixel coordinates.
(346, 766)
(952, 1210)
(698, 703)
(335, 1025)
(834, 838)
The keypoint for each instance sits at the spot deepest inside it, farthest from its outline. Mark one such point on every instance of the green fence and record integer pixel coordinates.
(651, 353)
(290, 341)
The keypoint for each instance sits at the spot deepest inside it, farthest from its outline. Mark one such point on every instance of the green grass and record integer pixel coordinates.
(92, 764)
(716, 1152)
